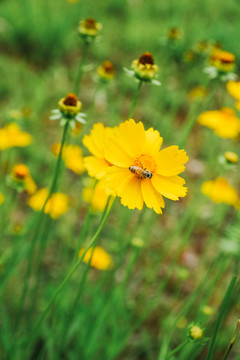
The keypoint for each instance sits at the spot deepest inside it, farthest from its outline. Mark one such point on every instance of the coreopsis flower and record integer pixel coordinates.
(98, 196)
(195, 332)
(89, 29)
(106, 71)
(72, 157)
(21, 179)
(233, 87)
(222, 64)
(12, 136)
(69, 111)
(56, 206)
(220, 191)
(2, 198)
(223, 122)
(98, 258)
(144, 69)
(140, 172)
(96, 164)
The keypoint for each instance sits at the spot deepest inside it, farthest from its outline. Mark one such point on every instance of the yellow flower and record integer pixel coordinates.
(223, 122)
(198, 93)
(2, 198)
(231, 157)
(12, 136)
(233, 87)
(97, 196)
(174, 34)
(140, 172)
(56, 206)
(207, 310)
(70, 105)
(220, 191)
(72, 157)
(106, 71)
(222, 60)
(21, 175)
(96, 165)
(89, 27)
(195, 332)
(100, 259)
(144, 67)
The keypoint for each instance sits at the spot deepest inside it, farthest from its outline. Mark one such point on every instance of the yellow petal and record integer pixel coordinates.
(115, 176)
(233, 87)
(170, 161)
(153, 142)
(151, 197)
(96, 167)
(116, 154)
(171, 187)
(130, 193)
(210, 118)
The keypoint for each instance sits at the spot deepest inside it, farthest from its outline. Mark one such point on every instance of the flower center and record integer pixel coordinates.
(90, 24)
(108, 67)
(70, 100)
(143, 167)
(146, 58)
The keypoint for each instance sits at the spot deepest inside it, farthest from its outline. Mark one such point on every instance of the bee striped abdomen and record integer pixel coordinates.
(141, 173)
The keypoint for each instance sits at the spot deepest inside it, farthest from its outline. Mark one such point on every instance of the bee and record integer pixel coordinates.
(141, 173)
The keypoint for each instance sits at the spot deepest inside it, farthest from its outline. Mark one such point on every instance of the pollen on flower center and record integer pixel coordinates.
(143, 167)
(70, 100)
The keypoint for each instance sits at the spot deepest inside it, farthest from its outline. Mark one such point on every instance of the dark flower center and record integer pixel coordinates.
(90, 24)
(108, 67)
(146, 58)
(70, 100)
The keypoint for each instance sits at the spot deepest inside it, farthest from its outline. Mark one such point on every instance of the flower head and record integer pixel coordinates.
(21, 179)
(98, 195)
(106, 71)
(231, 157)
(69, 111)
(197, 93)
(195, 332)
(223, 122)
(220, 191)
(98, 258)
(144, 67)
(56, 206)
(96, 164)
(12, 136)
(222, 60)
(233, 87)
(141, 173)
(89, 28)
(72, 157)
(174, 34)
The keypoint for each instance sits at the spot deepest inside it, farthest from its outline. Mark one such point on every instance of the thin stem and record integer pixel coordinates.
(234, 338)
(177, 349)
(80, 69)
(220, 316)
(135, 99)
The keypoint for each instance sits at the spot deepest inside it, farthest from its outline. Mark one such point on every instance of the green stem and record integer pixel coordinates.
(135, 99)
(80, 69)
(234, 338)
(177, 349)
(74, 267)
(220, 316)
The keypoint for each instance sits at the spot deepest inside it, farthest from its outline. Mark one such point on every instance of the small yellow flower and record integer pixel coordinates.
(182, 322)
(144, 67)
(97, 196)
(222, 60)
(56, 206)
(2, 198)
(220, 191)
(203, 46)
(207, 310)
(223, 122)
(195, 332)
(98, 258)
(12, 136)
(89, 27)
(21, 175)
(231, 157)
(72, 157)
(174, 34)
(96, 164)
(106, 71)
(198, 93)
(140, 172)
(233, 87)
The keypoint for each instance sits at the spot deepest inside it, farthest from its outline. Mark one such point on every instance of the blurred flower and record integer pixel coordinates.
(15, 114)
(106, 71)
(140, 172)
(195, 332)
(12, 136)
(89, 28)
(56, 206)
(233, 87)
(174, 34)
(189, 56)
(223, 122)
(137, 242)
(98, 195)
(197, 93)
(96, 165)
(2, 198)
(98, 258)
(220, 191)
(221, 64)
(72, 157)
(182, 322)
(207, 310)
(21, 179)
(69, 111)
(202, 47)
(144, 69)
(231, 157)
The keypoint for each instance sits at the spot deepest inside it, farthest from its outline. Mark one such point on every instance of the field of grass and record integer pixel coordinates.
(86, 272)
